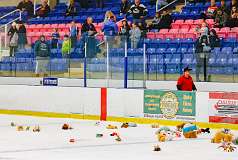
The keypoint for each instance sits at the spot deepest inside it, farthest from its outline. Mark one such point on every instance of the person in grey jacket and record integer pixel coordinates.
(42, 53)
(135, 35)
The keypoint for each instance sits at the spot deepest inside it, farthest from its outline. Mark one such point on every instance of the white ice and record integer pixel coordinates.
(52, 143)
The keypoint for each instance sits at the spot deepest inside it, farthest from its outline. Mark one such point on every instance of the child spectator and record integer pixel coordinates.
(66, 47)
(55, 39)
(26, 5)
(73, 34)
(125, 6)
(71, 9)
(143, 29)
(135, 35)
(204, 30)
(44, 9)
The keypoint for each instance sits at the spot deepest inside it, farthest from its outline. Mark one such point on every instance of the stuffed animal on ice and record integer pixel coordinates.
(155, 125)
(66, 127)
(157, 148)
(165, 134)
(126, 125)
(36, 129)
(190, 130)
(223, 136)
(235, 141)
(227, 147)
(111, 127)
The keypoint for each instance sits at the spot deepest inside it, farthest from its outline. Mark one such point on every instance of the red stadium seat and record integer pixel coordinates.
(159, 35)
(175, 26)
(180, 21)
(164, 31)
(189, 21)
(232, 35)
(151, 35)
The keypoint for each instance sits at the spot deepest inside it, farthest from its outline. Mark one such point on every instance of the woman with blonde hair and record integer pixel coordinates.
(108, 15)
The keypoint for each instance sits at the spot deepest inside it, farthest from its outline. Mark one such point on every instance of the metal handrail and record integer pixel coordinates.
(158, 10)
(17, 10)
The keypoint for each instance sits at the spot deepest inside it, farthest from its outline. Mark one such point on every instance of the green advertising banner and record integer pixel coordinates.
(176, 105)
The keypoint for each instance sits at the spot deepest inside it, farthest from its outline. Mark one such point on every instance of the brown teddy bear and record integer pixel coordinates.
(66, 127)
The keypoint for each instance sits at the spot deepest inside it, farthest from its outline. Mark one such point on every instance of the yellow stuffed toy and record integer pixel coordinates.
(222, 136)
(111, 127)
(161, 136)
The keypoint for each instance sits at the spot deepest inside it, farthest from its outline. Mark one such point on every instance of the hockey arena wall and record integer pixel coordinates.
(113, 104)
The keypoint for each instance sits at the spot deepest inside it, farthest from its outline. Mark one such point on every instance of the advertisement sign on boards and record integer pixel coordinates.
(223, 107)
(172, 105)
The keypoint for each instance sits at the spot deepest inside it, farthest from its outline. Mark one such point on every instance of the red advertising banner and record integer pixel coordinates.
(223, 107)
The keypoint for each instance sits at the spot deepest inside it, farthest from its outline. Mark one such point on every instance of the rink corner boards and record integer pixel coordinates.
(115, 119)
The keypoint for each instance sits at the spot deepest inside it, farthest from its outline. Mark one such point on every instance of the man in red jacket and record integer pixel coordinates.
(185, 82)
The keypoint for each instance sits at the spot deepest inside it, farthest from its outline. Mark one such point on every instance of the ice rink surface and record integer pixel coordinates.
(52, 143)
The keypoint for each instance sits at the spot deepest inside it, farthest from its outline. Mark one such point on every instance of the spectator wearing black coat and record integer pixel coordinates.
(88, 27)
(124, 33)
(26, 5)
(214, 39)
(165, 21)
(88, 33)
(138, 11)
(44, 9)
(125, 6)
(203, 49)
(71, 9)
(22, 40)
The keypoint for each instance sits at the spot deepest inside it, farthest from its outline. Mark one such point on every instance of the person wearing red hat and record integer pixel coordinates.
(185, 82)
